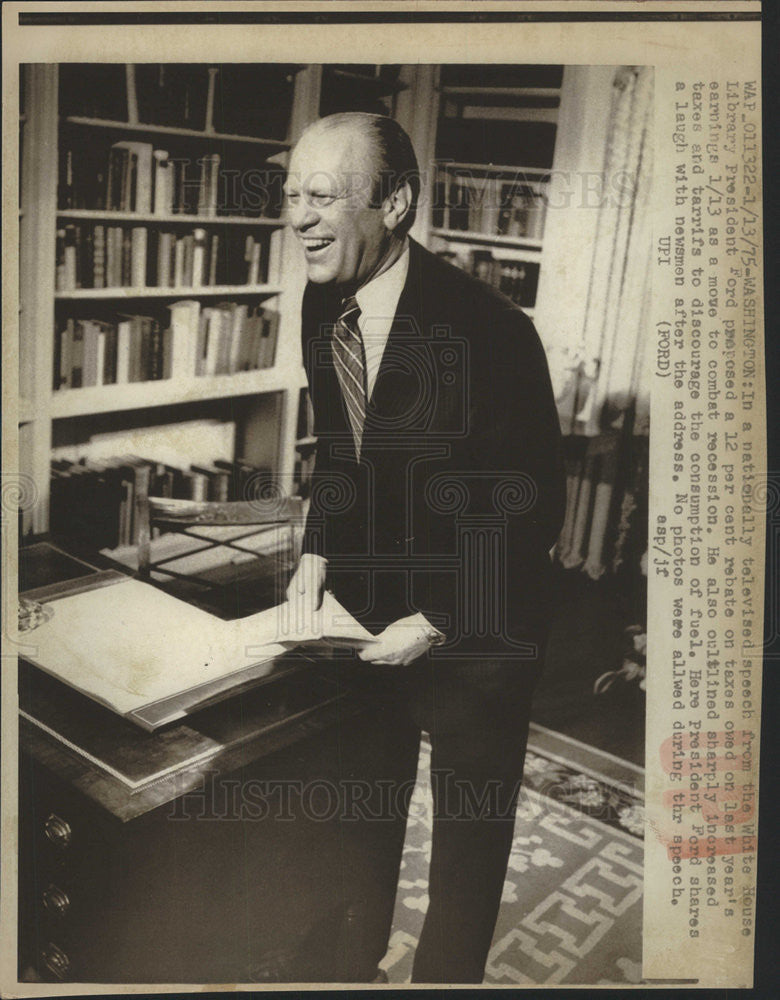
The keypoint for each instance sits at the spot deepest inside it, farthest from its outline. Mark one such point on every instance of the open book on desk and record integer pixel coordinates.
(152, 658)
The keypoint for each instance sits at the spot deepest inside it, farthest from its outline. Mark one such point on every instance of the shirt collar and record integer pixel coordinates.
(378, 299)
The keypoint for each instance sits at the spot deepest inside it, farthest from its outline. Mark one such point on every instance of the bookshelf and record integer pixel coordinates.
(493, 152)
(73, 120)
(81, 126)
(542, 127)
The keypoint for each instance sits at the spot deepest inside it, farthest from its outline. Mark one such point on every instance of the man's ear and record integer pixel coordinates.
(397, 205)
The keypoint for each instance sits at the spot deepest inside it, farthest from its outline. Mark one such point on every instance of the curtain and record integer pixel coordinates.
(603, 391)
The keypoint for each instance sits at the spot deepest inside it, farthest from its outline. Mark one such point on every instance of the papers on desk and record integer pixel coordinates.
(151, 657)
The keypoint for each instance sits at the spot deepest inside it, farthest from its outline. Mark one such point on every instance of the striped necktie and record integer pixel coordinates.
(349, 357)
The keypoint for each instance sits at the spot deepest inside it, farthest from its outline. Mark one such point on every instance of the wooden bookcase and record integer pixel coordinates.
(257, 409)
(493, 156)
(556, 121)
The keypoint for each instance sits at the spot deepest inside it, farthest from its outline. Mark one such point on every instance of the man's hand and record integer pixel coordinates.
(401, 643)
(305, 589)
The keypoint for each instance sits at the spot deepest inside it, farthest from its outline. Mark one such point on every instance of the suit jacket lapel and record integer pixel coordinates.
(398, 383)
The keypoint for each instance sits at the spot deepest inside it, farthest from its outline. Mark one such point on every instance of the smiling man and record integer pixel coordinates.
(438, 492)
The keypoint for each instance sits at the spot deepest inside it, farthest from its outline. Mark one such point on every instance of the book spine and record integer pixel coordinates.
(185, 326)
(202, 342)
(131, 182)
(212, 275)
(59, 274)
(100, 358)
(145, 365)
(163, 188)
(62, 357)
(135, 371)
(187, 260)
(123, 337)
(138, 257)
(180, 186)
(89, 346)
(66, 191)
(111, 257)
(132, 99)
(71, 259)
(110, 252)
(213, 189)
(252, 257)
(237, 337)
(164, 245)
(213, 334)
(155, 351)
(178, 264)
(225, 338)
(167, 356)
(198, 257)
(254, 343)
(126, 258)
(271, 336)
(109, 371)
(143, 183)
(99, 257)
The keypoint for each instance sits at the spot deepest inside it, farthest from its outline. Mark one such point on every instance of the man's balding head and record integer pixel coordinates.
(352, 194)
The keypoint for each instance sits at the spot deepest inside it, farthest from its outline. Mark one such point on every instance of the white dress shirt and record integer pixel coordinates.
(378, 301)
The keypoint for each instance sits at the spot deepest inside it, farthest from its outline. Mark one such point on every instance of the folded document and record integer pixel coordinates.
(131, 647)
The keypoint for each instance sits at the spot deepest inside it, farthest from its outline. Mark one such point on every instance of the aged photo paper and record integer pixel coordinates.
(650, 308)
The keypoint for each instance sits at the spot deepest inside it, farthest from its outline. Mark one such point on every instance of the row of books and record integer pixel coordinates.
(491, 206)
(99, 256)
(517, 280)
(213, 340)
(96, 500)
(135, 177)
(252, 99)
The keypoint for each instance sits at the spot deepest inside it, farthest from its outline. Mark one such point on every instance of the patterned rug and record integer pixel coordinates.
(571, 910)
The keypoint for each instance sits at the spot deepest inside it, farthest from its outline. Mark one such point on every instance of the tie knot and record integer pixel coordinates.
(350, 310)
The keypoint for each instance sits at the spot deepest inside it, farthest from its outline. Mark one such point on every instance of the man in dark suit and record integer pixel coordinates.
(437, 494)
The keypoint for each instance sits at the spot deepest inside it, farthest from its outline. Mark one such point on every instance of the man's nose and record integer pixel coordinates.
(302, 215)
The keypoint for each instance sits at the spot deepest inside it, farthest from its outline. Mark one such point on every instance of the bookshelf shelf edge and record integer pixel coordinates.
(539, 174)
(141, 395)
(279, 145)
(196, 220)
(199, 291)
(533, 246)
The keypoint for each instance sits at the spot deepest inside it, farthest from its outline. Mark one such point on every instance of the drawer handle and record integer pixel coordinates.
(55, 960)
(58, 831)
(56, 901)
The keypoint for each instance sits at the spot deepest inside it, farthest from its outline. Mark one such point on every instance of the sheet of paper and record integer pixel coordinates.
(130, 644)
(332, 623)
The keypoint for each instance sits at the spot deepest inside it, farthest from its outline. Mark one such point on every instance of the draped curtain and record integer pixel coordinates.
(602, 369)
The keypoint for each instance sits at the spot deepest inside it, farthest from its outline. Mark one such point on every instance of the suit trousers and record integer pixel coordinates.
(477, 715)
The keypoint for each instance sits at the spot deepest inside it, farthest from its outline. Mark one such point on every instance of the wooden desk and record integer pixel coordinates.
(216, 871)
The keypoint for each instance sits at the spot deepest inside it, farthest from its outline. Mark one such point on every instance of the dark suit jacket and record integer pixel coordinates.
(459, 492)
